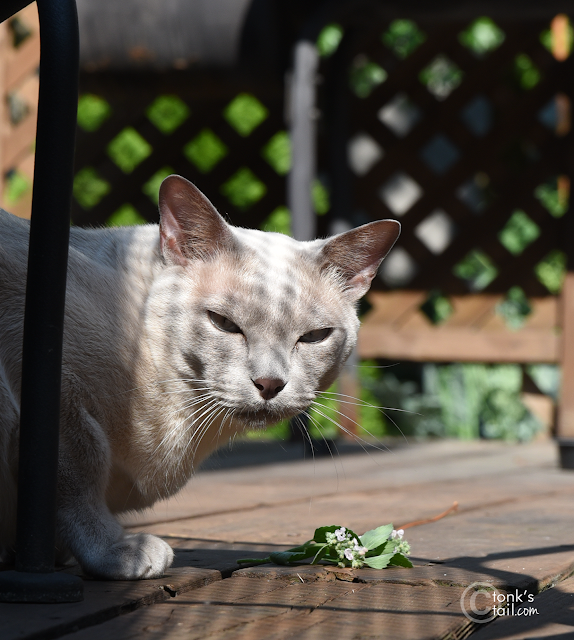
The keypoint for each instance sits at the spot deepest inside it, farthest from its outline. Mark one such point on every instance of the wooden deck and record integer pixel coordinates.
(513, 529)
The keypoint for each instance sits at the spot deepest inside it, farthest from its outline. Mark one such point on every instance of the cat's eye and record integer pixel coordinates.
(223, 323)
(317, 335)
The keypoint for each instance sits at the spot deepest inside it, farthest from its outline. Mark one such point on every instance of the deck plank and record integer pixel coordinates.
(550, 615)
(251, 608)
(513, 530)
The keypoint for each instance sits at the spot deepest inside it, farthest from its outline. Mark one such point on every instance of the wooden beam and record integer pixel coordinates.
(456, 344)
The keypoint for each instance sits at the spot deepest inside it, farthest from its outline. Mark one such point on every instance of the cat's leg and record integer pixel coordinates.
(9, 419)
(85, 524)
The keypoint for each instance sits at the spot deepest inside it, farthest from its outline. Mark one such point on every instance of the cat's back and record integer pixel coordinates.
(14, 234)
(103, 250)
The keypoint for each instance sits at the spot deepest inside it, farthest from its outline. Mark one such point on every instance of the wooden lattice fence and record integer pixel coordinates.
(461, 131)
(228, 138)
(19, 59)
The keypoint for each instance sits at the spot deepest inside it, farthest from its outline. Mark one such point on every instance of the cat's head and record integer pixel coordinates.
(261, 321)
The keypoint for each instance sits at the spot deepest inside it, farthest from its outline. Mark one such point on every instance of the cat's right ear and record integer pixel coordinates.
(357, 254)
(190, 227)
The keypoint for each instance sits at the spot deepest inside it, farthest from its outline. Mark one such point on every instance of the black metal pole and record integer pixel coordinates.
(34, 579)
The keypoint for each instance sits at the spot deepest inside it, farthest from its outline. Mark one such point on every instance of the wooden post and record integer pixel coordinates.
(565, 428)
(302, 117)
(565, 425)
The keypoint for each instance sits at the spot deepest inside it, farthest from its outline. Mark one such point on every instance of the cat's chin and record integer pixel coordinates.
(262, 419)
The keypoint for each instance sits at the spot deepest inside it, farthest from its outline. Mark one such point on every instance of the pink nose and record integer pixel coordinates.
(269, 387)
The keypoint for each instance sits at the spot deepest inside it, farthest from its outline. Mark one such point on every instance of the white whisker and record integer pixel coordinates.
(345, 430)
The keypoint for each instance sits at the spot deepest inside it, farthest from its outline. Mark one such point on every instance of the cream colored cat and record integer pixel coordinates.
(175, 339)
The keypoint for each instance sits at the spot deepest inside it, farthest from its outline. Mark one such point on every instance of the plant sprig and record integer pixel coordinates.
(378, 548)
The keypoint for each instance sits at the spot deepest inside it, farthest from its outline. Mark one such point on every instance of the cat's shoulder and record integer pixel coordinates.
(12, 226)
(14, 233)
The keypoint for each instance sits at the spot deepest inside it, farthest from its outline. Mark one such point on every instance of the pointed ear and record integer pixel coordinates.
(190, 227)
(357, 254)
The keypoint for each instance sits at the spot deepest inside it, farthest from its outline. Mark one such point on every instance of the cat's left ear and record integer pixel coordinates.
(357, 253)
(190, 226)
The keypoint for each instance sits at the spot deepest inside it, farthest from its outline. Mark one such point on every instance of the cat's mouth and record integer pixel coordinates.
(263, 418)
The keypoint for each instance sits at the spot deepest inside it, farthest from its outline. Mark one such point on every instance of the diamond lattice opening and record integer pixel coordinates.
(556, 114)
(477, 269)
(437, 308)
(20, 31)
(277, 152)
(441, 77)
(548, 115)
(279, 221)
(439, 154)
(551, 271)
(320, 198)
(400, 115)
(151, 187)
(477, 115)
(128, 149)
(554, 195)
(243, 189)
(89, 187)
(403, 37)
(474, 192)
(329, 39)
(559, 38)
(482, 36)
(205, 151)
(365, 75)
(436, 231)
(525, 73)
(168, 113)
(18, 108)
(398, 269)
(16, 185)
(399, 193)
(363, 153)
(93, 111)
(515, 308)
(245, 113)
(126, 216)
(519, 232)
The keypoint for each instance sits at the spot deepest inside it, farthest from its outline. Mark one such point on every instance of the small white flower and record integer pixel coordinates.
(397, 534)
(341, 534)
(331, 538)
(349, 554)
(360, 550)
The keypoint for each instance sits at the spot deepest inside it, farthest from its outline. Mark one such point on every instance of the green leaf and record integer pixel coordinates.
(387, 547)
(376, 537)
(400, 561)
(319, 535)
(323, 551)
(379, 562)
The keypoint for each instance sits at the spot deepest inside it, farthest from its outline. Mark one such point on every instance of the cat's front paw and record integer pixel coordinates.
(135, 557)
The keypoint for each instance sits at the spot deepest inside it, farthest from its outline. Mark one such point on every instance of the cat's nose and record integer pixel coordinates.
(269, 387)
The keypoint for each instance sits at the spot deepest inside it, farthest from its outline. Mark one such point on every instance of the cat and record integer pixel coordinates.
(176, 339)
